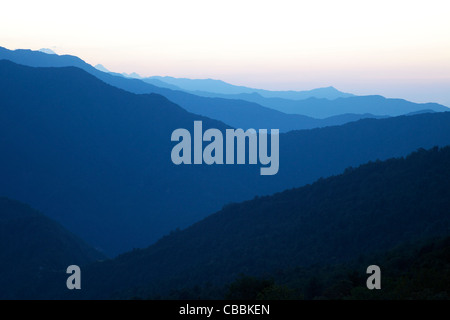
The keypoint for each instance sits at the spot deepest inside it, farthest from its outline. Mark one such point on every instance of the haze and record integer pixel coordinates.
(394, 48)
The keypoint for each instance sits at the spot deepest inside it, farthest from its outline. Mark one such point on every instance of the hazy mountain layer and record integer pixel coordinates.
(97, 158)
(373, 208)
(31, 246)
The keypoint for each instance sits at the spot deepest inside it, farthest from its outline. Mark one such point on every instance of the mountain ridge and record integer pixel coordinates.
(215, 86)
(236, 113)
(364, 210)
(104, 153)
(321, 108)
(32, 245)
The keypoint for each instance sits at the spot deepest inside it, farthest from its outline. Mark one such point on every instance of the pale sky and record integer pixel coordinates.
(394, 48)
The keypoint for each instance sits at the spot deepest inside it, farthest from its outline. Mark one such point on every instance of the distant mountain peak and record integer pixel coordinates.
(329, 89)
(101, 68)
(47, 51)
(132, 75)
(221, 87)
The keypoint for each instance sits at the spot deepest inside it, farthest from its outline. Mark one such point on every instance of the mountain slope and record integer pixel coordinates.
(97, 159)
(324, 108)
(415, 270)
(377, 105)
(237, 113)
(373, 208)
(32, 245)
(287, 118)
(220, 87)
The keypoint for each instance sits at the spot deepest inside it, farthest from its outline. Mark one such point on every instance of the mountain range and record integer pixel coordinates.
(325, 109)
(224, 88)
(97, 158)
(317, 103)
(234, 112)
(31, 246)
(363, 212)
(92, 150)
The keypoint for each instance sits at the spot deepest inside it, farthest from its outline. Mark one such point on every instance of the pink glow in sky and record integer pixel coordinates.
(394, 48)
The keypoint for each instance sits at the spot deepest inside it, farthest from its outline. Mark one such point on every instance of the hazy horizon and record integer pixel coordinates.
(395, 49)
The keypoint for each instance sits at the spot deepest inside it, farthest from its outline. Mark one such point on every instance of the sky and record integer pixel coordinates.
(394, 48)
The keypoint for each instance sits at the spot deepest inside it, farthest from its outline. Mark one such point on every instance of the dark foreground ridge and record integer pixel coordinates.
(361, 212)
(31, 246)
(97, 159)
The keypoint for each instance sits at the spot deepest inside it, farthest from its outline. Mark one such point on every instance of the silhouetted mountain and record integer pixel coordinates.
(377, 105)
(212, 86)
(373, 208)
(153, 82)
(161, 84)
(324, 108)
(236, 113)
(414, 270)
(420, 112)
(47, 51)
(262, 112)
(349, 117)
(97, 158)
(31, 245)
(132, 75)
(101, 68)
